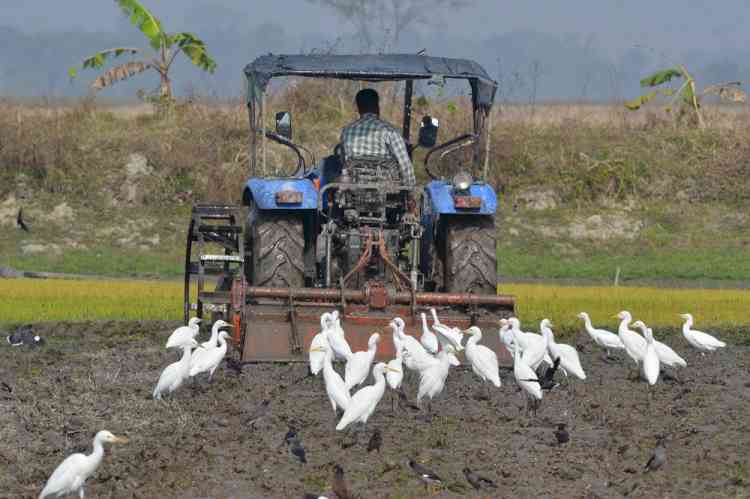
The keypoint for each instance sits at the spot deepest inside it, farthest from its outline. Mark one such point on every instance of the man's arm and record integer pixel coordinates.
(398, 148)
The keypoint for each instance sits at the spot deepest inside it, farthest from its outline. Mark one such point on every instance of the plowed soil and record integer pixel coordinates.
(94, 376)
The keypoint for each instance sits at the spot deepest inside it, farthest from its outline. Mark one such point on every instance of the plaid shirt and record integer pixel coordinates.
(371, 136)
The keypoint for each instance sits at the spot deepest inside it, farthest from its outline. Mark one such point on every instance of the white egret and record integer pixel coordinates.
(358, 366)
(524, 340)
(506, 336)
(483, 360)
(432, 378)
(363, 402)
(534, 351)
(207, 352)
(569, 360)
(700, 340)
(605, 339)
(176, 373)
(183, 334)
(337, 338)
(667, 356)
(428, 340)
(635, 344)
(650, 360)
(70, 476)
(414, 354)
(454, 333)
(336, 389)
(213, 341)
(211, 359)
(319, 345)
(526, 379)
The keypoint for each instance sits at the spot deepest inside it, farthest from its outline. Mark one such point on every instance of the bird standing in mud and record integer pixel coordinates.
(363, 402)
(700, 340)
(483, 360)
(376, 441)
(478, 481)
(658, 458)
(20, 222)
(209, 361)
(175, 374)
(296, 450)
(339, 485)
(561, 434)
(70, 476)
(429, 478)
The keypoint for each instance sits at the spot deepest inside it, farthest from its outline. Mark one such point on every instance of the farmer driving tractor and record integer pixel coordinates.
(371, 137)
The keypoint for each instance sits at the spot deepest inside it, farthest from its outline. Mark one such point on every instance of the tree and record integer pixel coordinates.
(686, 98)
(392, 17)
(166, 48)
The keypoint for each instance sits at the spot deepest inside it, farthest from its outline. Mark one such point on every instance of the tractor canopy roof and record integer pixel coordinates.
(381, 67)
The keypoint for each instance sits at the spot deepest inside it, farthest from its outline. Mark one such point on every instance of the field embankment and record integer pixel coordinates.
(584, 190)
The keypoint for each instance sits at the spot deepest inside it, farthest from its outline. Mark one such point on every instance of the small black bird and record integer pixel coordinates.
(340, 488)
(561, 434)
(24, 336)
(376, 440)
(547, 379)
(295, 446)
(20, 222)
(658, 458)
(6, 387)
(428, 477)
(477, 481)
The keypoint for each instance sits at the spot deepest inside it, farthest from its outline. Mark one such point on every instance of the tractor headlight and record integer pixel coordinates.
(462, 181)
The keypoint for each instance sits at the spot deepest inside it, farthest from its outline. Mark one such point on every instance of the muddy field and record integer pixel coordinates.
(100, 376)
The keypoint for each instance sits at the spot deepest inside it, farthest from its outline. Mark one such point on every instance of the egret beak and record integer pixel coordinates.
(120, 440)
(392, 370)
(317, 349)
(550, 324)
(616, 316)
(228, 325)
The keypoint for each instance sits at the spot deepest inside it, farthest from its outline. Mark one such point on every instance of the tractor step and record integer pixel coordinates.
(216, 211)
(221, 258)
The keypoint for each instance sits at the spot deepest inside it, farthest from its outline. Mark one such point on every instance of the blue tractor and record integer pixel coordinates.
(345, 234)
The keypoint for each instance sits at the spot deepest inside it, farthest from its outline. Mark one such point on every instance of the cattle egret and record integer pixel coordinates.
(363, 402)
(184, 334)
(605, 339)
(700, 340)
(568, 355)
(70, 475)
(176, 373)
(211, 360)
(358, 366)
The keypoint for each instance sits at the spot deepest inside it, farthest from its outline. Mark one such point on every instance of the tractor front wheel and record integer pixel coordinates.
(470, 255)
(274, 249)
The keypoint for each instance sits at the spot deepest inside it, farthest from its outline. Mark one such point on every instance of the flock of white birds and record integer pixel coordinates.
(431, 357)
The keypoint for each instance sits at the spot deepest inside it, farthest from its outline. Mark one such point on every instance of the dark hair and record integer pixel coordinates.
(367, 101)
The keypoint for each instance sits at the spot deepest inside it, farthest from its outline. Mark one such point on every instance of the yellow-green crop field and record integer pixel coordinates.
(32, 300)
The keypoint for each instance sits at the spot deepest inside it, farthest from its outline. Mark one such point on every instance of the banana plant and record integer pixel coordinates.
(685, 97)
(165, 47)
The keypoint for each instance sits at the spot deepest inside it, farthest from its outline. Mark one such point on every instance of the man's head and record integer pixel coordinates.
(368, 101)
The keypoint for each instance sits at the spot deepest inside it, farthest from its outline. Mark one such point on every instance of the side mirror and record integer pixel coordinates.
(284, 124)
(428, 132)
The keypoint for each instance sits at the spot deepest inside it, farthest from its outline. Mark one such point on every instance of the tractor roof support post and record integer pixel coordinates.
(408, 91)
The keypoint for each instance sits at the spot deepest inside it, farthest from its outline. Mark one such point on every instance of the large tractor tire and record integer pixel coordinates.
(470, 255)
(274, 249)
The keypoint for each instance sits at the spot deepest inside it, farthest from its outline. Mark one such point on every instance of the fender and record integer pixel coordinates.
(263, 193)
(440, 195)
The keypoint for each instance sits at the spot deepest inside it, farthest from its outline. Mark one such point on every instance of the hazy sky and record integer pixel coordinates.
(672, 26)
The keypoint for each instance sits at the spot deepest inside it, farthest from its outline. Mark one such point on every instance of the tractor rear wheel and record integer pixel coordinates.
(274, 249)
(471, 255)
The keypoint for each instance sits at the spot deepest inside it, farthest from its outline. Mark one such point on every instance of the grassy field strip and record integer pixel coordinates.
(654, 306)
(33, 300)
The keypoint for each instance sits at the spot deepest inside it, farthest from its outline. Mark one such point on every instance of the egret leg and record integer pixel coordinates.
(81, 494)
